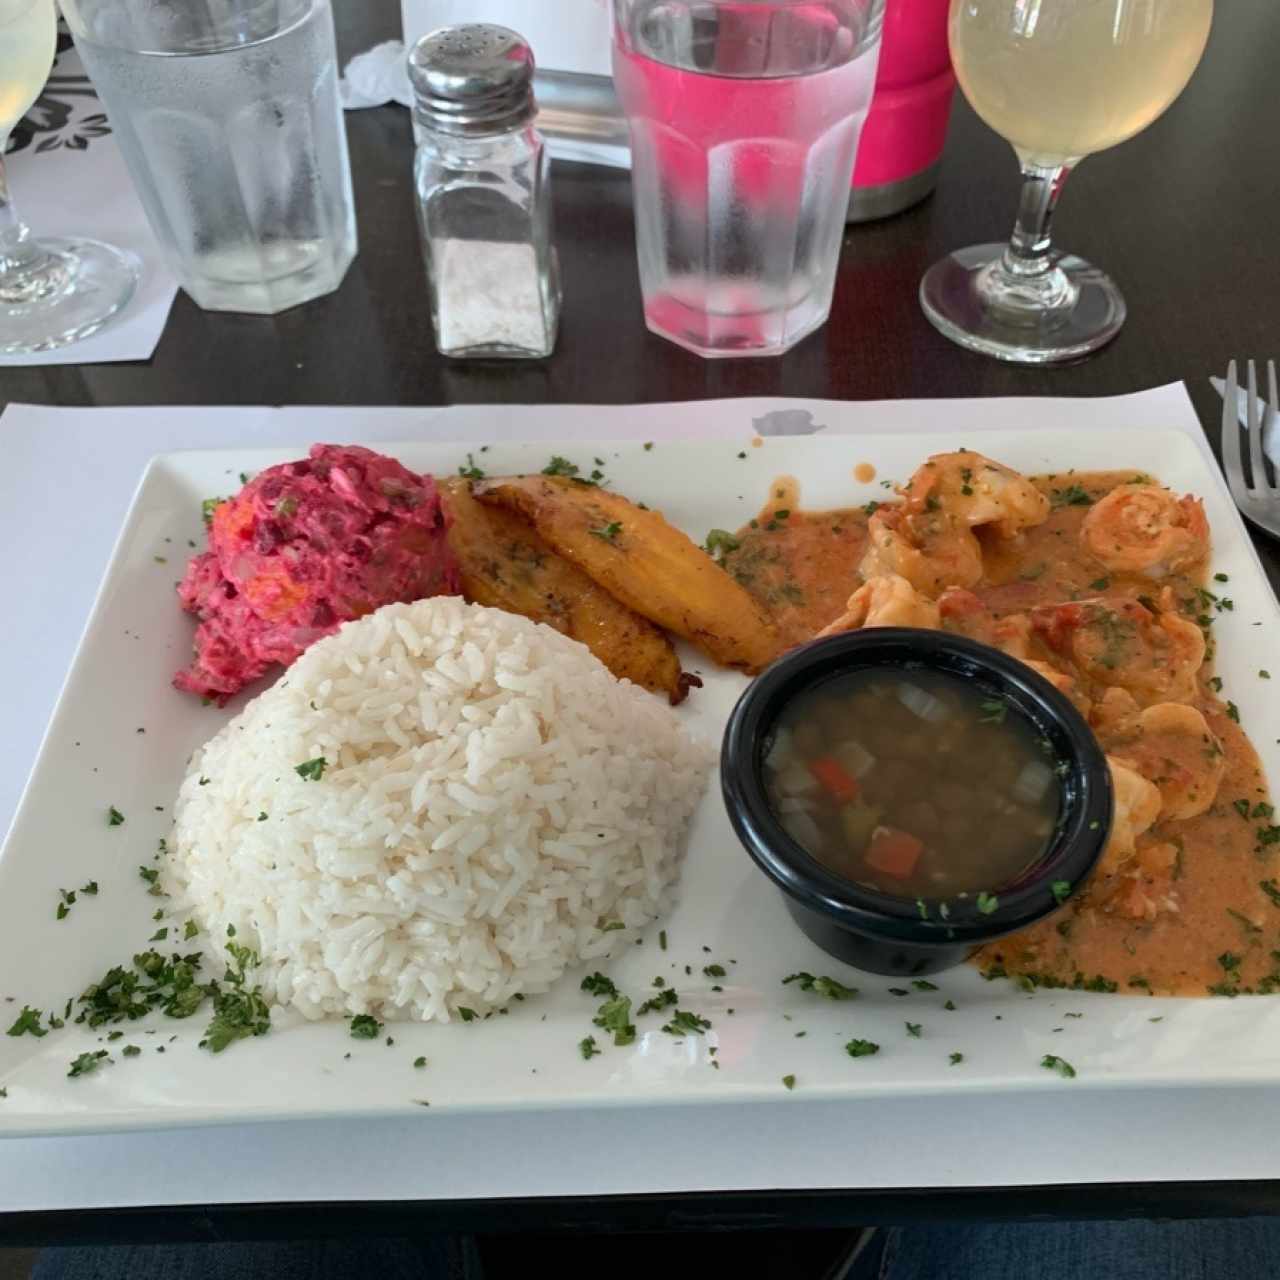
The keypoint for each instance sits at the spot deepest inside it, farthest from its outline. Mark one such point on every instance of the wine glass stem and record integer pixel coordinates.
(27, 272)
(1030, 246)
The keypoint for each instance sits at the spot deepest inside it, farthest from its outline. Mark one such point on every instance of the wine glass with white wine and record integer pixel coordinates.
(56, 290)
(1059, 79)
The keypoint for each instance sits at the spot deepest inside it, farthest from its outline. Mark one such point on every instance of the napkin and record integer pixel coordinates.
(1271, 436)
(68, 178)
(376, 77)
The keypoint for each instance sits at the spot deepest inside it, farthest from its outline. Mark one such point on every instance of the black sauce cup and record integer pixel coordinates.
(882, 932)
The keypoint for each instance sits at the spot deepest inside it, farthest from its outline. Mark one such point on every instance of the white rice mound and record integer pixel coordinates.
(495, 805)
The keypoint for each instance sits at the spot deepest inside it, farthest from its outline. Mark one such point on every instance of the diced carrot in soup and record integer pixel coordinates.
(894, 852)
(835, 779)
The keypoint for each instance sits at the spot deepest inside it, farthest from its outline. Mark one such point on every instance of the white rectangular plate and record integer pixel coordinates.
(94, 757)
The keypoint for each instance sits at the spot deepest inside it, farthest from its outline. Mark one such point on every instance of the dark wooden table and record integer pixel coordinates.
(1185, 217)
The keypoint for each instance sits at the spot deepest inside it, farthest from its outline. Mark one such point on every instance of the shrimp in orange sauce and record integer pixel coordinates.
(1140, 528)
(886, 600)
(930, 550)
(1121, 643)
(976, 491)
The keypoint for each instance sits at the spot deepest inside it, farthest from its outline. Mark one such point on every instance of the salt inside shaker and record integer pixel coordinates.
(483, 194)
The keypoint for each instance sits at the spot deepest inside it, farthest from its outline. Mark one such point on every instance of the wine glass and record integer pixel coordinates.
(1059, 79)
(56, 290)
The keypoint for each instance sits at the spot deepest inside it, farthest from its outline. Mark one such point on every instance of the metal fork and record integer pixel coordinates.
(1259, 503)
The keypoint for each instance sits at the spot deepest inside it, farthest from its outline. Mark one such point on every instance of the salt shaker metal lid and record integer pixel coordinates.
(472, 79)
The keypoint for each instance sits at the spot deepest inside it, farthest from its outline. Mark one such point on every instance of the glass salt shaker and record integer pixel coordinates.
(483, 194)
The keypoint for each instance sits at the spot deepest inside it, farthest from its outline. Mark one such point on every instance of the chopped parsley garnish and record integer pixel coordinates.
(1051, 1062)
(159, 936)
(559, 466)
(789, 1081)
(913, 1029)
(1233, 712)
(662, 939)
(28, 1023)
(467, 1015)
(1263, 674)
(91, 888)
(238, 1010)
(861, 1048)
(88, 1062)
(130, 1051)
(899, 991)
(714, 970)
(956, 1059)
(648, 446)
(365, 1026)
(587, 1047)
(871, 508)
(719, 543)
(685, 1023)
(312, 770)
(262, 816)
(419, 1063)
(987, 903)
(1061, 890)
(993, 711)
(923, 984)
(1072, 496)
(152, 877)
(607, 532)
(208, 507)
(615, 1016)
(950, 1006)
(612, 926)
(598, 985)
(114, 817)
(663, 1000)
(1099, 584)
(822, 986)
(1243, 921)
(471, 471)
(1242, 808)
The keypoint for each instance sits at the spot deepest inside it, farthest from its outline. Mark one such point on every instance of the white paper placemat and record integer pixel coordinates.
(68, 178)
(68, 477)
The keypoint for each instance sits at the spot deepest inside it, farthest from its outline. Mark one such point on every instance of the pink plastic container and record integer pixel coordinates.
(902, 140)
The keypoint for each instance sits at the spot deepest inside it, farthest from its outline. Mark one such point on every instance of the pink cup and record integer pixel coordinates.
(902, 141)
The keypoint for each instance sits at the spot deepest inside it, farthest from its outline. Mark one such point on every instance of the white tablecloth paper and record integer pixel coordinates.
(71, 180)
(67, 482)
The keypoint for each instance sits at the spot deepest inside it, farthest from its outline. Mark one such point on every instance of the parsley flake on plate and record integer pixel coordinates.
(685, 1023)
(789, 1081)
(365, 1026)
(956, 1059)
(987, 903)
(598, 985)
(821, 986)
(419, 1063)
(114, 817)
(28, 1023)
(588, 1048)
(861, 1048)
(913, 1029)
(312, 770)
(1051, 1062)
(88, 1062)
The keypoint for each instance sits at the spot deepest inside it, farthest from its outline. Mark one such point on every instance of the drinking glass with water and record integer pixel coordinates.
(228, 115)
(745, 117)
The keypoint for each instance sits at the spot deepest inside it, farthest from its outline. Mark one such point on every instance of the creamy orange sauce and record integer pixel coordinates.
(1217, 924)
(802, 566)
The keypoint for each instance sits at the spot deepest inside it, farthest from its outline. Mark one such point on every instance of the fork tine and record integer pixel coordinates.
(1231, 437)
(1269, 427)
(1256, 420)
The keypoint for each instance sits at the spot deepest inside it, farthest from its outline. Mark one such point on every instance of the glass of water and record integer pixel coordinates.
(745, 117)
(53, 290)
(228, 115)
(1060, 80)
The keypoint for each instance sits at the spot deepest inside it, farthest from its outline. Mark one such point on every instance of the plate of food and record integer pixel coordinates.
(391, 783)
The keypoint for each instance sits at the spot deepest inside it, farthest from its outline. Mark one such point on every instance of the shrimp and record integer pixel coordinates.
(1174, 748)
(1145, 887)
(929, 549)
(976, 491)
(886, 600)
(1121, 643)
(1140, 528)
(964, 612)
(1137, 806)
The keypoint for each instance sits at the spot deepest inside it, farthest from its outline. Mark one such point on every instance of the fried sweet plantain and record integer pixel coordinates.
(505, 565)
(643, 561)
